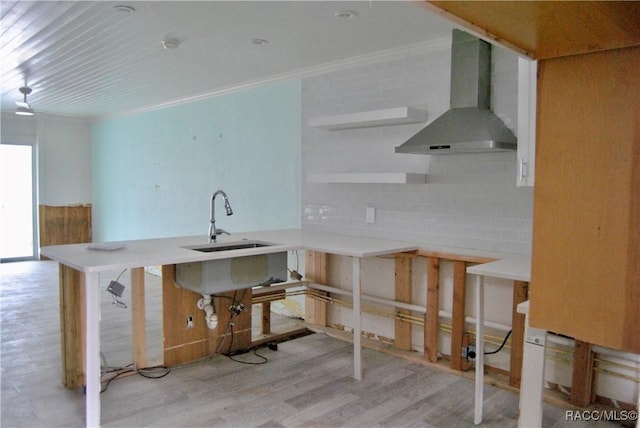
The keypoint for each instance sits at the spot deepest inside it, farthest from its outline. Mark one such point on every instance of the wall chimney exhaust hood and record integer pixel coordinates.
(469, 126)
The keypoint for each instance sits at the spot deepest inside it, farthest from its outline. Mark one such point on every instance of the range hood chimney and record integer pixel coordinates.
(469, 126)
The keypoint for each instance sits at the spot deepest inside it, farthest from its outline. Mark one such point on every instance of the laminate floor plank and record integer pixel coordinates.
(307, 382)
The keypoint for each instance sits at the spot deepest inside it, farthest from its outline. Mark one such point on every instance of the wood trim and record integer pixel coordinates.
(403, 293)
(433, 308)
(458, 316)
(520, 294)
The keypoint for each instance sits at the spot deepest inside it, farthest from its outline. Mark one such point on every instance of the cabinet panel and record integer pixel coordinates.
(527, 100)
(586, 246)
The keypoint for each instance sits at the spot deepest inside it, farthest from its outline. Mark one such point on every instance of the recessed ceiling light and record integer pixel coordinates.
(170, 43)
(259, 41)
(345, 14)
(124, 8)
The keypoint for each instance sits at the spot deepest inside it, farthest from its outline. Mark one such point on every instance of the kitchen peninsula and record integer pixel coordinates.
(90, 259)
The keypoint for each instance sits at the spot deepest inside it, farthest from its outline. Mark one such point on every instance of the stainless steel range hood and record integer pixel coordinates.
(469, 126)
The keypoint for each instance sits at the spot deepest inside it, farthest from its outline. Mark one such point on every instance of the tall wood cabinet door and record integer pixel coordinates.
(586, 246)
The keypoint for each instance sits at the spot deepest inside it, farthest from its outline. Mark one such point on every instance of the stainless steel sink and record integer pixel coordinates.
(209, 248)
(233, 272)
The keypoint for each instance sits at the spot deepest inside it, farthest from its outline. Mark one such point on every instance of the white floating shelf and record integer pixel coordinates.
(365, 119)
(371, 178)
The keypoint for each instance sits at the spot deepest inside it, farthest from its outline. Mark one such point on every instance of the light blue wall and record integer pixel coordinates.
(154, 173)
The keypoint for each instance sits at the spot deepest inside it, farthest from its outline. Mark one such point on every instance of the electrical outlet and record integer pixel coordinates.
(370, 215)
(469, 352)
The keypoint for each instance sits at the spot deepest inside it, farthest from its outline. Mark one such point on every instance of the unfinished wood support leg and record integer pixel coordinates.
(433, 307)
(72, 328)
(316, 271)
(138, 318)
(265, 325)
(402, 337)
(520, 293)
(458, 339)
(582, 380)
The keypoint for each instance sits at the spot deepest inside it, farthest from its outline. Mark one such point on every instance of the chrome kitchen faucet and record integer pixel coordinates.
(213, 232)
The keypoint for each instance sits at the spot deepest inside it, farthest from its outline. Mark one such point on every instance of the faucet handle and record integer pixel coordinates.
(221, 231)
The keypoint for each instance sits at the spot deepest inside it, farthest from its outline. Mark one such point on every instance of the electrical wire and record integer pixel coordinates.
(501, 346)
(263, 359)
(229, 329)
(121, 273)
(131, 368)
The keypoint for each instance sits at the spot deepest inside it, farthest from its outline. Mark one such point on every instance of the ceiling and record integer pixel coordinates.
(90, 59)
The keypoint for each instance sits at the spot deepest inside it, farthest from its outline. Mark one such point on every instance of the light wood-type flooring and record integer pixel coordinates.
(305, 383)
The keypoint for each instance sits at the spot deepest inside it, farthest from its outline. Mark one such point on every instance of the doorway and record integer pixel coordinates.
(17, 203)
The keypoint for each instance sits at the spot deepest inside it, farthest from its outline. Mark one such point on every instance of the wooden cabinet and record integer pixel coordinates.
(586, 230)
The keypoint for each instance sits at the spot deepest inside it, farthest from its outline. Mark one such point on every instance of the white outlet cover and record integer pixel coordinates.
(370, 215)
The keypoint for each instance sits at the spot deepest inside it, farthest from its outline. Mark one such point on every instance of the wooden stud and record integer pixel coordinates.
(520, 294)
(265, 325)
(138, 318)
(582, 380)
(433, 307)
(403, 293)
(458, 316)
(72, 329)
(316, 271)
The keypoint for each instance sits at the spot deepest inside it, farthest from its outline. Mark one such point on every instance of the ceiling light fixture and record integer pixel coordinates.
(124, 9)
(22, 107)
(170, 43)
(345, 14)
(259, 41)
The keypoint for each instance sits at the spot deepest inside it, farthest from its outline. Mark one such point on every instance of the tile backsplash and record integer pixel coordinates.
(469, 201)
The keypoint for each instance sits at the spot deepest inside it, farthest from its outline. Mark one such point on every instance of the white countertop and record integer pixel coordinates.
(153, 252)
(517, 268)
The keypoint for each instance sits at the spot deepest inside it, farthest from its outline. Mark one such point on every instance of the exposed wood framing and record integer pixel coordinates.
(403, 293)
(265, 324)
(433, 308)
(582, 380)
(316, 271)
(138, 318)
(183, 341)
(520, 294)
(453, 257)
(64, 225)
(234, 331)
(458, 362)
(72, 330)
